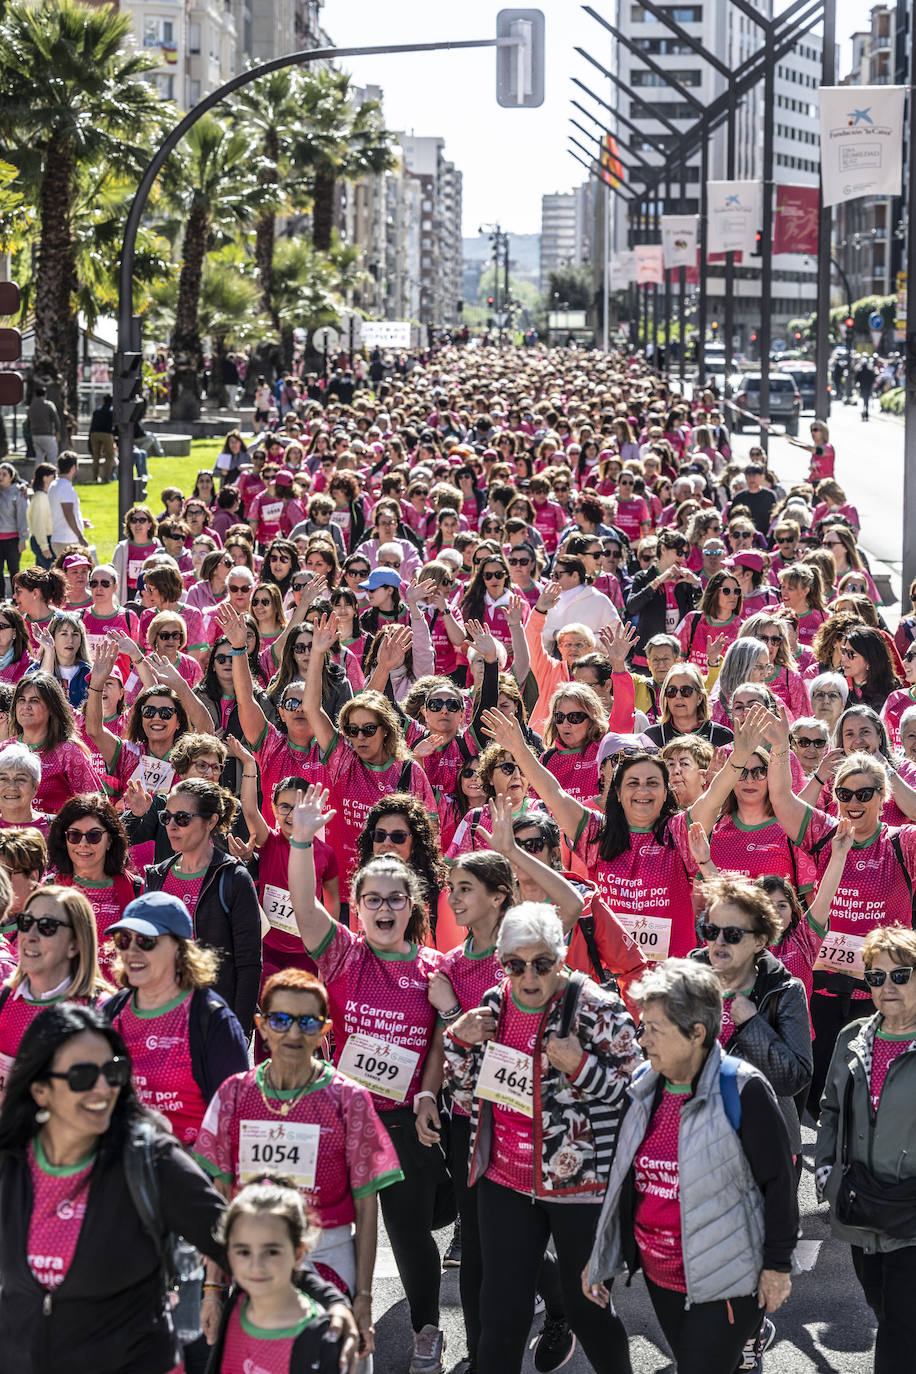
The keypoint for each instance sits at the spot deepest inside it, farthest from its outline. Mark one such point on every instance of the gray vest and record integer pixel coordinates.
(722, 1224)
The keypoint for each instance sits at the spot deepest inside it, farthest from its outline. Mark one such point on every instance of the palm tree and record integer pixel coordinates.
(212, 182)
(337, 143)
(69, 100)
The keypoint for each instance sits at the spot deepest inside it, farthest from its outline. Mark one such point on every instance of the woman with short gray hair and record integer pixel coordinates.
(701, 1193)
(545, 1060)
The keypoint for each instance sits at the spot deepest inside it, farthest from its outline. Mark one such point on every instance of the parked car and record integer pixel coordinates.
(805, 378)
(785, 400)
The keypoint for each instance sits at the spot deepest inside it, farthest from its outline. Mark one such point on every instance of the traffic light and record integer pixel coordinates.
(798, 336)
(911, 368)
(11, 383)
(758, 240)
(850, 331)
(128, 388)
(491, 301)
(520, 63)
(714, 327)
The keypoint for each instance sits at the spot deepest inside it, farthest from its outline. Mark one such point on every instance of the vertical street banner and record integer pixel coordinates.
(795, 221)
(735, 215)
(679, 240)
(622, 270)
(861, 141)
(611, 168)
(649, 264)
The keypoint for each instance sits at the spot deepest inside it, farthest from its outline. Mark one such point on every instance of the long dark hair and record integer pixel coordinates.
(289, 671)
(615, 834)
(48, 1033)
(882, 679)
(210, 685)
(61, 725)
(473, 603)
(425, 855)
(77, 809)
(280, 545)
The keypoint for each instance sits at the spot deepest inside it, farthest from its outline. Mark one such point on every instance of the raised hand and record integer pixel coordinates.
(714, 648)
(105, 658)
(396, 641)
(774, 730)
(843, 837)
(506, 732)
(618, 641)
(165, 672)
(698, 841)
(315, 587)
(43, 636)
(325, 632)
(482, 640)
(126, 645)
(550, 595)
(426, 746)
(243, 850)
(136, 799)
(309, 815)
(515, 611)
(419, 591)
(233, 626)
(237, 749)
(502, 840)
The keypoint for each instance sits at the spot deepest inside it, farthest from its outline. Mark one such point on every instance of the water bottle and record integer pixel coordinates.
(190, 1272)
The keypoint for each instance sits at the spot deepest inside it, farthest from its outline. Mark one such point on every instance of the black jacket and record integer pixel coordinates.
(228, 919)
(215, 1040)
(778, 1040)
(110, 1313)
(646, 605)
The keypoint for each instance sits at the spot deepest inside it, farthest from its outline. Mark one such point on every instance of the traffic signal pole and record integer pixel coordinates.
(909, 411)
(824, 235)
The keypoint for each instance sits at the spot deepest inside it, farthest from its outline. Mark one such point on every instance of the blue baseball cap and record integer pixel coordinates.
(156, 913)
(381, 577)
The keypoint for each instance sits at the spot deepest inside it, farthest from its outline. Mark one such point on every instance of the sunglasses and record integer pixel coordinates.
(756, 774)
(508, 768)
(93, 836)
(169, 634)
(804, 742)
(5, 625)
(123, 939)
(139, 519)
(291, 703)
(80, 1078)
(572, 717)
(395, 901)
(357, 572)
(280, 558)
(730, 591)
(732, 935)
(222, 659)
(420, 491)
(648, 558)
(180, 818)
(102, 582)
(366, 731)
(877, 977)
(261, 601)
(714, 551)
(283, 1021)
(541, 965)
(785, 538)
(300, 586)
(535, 845)
(395, 836)
(46, 925)
(686, 691)
(860, 794)
(494, 577)
(519, 562)
(437, 704)
(163, 712)
(469, 771)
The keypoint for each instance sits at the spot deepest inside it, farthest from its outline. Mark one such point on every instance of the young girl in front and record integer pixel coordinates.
(268, 1323)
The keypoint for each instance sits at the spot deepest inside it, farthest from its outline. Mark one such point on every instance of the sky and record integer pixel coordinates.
(509, 158)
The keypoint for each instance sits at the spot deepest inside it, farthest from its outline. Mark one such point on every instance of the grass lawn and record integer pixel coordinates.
(100, 504)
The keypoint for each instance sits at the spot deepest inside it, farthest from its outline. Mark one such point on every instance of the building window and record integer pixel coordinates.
(158, 33)
(194, 38)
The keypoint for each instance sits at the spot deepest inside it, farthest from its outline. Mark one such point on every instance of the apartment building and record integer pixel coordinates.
(566, 230)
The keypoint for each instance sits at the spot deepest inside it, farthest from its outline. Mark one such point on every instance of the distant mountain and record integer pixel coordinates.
(524, 252)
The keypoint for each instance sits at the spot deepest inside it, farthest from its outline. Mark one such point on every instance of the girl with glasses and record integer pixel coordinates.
(488, 597)
(138, 543)
(106, 614)
(87, 848)
(164, 588)
(718, 617)
(866, 662)
(76, 567)
(685, 710)
(313, 1104)
(20, 774)
(345, 604)
(377, 977)
(501, 780)
(281, 562)
(522, 1164)
(823, 454)
(399, 825)
(196, 515)
(58, 948)
(210, 588)
(269, 616)
(215, 888)
(898, 701)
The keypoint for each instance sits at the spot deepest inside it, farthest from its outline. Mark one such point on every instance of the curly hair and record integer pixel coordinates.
(192, 746)
(588, 700)
(425, 855)
(76, 809)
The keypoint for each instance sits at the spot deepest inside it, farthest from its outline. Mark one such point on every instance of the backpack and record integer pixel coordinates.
(728, 1087)
(146, 1195)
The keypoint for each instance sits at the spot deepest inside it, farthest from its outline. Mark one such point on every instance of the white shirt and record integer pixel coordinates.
(63, 493)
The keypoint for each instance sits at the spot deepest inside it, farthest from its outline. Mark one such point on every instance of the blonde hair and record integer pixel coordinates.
(86, 979)
(590, 702)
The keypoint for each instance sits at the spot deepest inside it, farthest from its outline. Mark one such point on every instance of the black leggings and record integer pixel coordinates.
(412, 1210)
(9, 556)
(707, 1337)
(830, 1015)
(514, 1231)
(470, 1275)
(888, 1282)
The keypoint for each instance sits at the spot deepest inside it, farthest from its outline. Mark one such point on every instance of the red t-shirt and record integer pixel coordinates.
(58, 1206)
(355, 1155)
(160, 1053)
(108, 898)
(273, 888)
(657, 1220)
(512, 1149)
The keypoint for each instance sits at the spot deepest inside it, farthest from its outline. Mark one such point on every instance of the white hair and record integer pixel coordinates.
(836, 680)
(391, 551)
(19, 756)
(531, 923)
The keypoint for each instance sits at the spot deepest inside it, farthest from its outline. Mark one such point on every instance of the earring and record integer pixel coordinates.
(42, 1115)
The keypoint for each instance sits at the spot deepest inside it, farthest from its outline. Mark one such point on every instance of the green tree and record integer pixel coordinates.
(572, 286)
(70, 101)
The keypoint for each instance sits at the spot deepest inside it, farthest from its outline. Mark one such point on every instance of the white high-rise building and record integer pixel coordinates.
(566, 231)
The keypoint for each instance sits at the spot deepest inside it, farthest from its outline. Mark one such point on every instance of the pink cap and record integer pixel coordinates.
(116, 673)
(747, 559)
(76, 560)
(284, 478)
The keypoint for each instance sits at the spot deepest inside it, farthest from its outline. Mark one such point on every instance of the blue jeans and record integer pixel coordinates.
(44, 560)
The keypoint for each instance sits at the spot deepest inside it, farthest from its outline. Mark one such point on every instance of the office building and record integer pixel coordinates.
(566, 230)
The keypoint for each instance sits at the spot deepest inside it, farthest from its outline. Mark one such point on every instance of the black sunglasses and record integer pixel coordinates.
(687, 690)
(542, 965)
(732, 935)
(757, 773)
(180, 818)
(860, 794)
(102, 582)
(46, 925)
(367, 731)
(283, 1021)
(123, 939)
(573, 717)
(437, 704)
(80, 1078)
(877, 977)
(93, 836)
(804, 742)
(395, 836)
(163, 712)
(222, 659)
(535, 845)
(494, 577)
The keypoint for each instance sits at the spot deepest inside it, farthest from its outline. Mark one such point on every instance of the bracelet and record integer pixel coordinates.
(234, 652)
(301, 844)
(249, 775)
(424, 1093)
(363, 1293)
(95, 689)
(217, 1286)
(452, 1014)
(738, 767)
(713, 663)
(211, 1297)
(819, 779)
(781, 753)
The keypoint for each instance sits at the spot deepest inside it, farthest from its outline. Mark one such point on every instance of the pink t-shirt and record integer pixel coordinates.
(65, 771)
(355, 1155)
(576, 770)
(885, 1050)
(549, 519)
(808, 626)
(273, 886)
(755, 850)
(893, 709)
(657, 1221)
(631, 516)
(252, 1349)
(471, 975)
(266, 510)
(695, 642)
(648, 887)
(382, 995)
(798, 950)
(185, 888)
(108, 898)
(193, 621)
(160, 1052)
(278, 758)
(58, 1207)
(512, 1149)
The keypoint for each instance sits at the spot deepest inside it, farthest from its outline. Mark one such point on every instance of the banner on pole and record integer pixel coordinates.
(648, 263)
(621, 272)
(861, 141)
(386, 334)
(735, 215)
(795, 222)
(679, 240)
(611, 168)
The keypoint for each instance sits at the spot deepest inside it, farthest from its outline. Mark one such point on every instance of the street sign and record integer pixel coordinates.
(876, 321)
(386, 333)
(501, 318)
(351, 329)
(520, 64)
(325, 340)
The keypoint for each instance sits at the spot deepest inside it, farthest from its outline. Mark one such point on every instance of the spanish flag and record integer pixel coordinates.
(611, 166)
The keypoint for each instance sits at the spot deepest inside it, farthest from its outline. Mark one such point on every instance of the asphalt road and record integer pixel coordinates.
(825, 1328)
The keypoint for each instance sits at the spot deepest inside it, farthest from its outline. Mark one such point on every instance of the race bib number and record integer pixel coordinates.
(285, 1147)
(224, 462)
(155, 775)
(279, 909)
(134, 566)
(271, 512)
(341, 518)
(651, 933)
(841, 953)
(6, 1064)
(507, 1078)
(378, 1065)
(95, 642)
